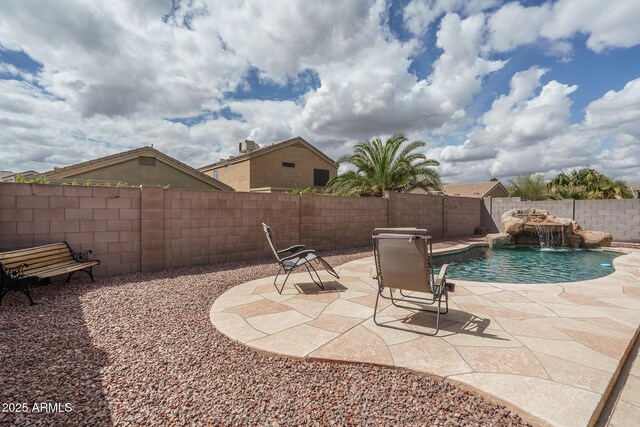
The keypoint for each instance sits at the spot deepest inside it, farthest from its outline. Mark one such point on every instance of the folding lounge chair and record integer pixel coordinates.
(403, 259)
(297, 256)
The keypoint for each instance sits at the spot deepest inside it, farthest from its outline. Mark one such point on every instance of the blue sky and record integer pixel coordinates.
(494, 88)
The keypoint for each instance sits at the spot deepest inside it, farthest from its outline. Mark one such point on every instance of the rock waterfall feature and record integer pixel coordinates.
(533, 227)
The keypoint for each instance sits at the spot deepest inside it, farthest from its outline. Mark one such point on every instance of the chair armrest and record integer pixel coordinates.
(298, 254)
(294, 248)
(442, 279)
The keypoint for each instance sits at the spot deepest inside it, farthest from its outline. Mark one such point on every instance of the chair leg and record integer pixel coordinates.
(375, 308)
(283, 283)
(319, 282)
(430, 334)
(437, 312)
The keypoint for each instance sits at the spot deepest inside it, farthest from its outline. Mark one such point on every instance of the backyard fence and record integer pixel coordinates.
(151, 228)
(621, 218)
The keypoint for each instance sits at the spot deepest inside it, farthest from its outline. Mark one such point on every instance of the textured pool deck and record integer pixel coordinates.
(551, 352)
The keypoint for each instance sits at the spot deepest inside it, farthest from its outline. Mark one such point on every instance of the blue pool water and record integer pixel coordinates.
(526, 265)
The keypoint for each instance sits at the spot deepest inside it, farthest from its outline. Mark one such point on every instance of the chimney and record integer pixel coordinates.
(247, 146)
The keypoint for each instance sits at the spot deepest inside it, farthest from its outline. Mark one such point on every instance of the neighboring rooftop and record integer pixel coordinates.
(635, 187)
(6, 174)
(476, 189)
(84, 170)
(9, 176)
(249, 150)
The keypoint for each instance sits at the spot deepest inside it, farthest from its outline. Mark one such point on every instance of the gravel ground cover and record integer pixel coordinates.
(139, 349)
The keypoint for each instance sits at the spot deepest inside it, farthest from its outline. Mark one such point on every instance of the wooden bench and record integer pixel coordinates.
(24, 267)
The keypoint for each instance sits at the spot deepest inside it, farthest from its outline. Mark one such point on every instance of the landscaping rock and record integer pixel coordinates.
(595, 239)
(139, 350)
(513, 226)
(500, 239)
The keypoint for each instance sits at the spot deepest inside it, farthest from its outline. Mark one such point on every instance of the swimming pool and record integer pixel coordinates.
(526, 265)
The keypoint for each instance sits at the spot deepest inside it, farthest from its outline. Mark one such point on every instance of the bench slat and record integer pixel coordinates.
(22, 258)
(41, 259)
(65, 270)
(36, 250)
(34, 271)
(47, 259)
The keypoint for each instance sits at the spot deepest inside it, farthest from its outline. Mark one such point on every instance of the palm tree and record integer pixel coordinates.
(383, 167)
(528, 187)
(616, 189)
(570, 191)
(587, 183)
(559, 181)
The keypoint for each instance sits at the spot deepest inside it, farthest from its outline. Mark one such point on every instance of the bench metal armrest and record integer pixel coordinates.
(298, 254)
(81, 256)
(17, 272)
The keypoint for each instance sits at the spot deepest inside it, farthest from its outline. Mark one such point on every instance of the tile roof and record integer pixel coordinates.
(268, 149)
(126, 155)
(471, 189)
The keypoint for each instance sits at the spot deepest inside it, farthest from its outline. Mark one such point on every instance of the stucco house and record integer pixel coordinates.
(8, 176)
(141, 166)
(285, 166)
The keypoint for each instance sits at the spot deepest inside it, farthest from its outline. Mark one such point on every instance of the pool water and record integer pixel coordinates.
(526, 265)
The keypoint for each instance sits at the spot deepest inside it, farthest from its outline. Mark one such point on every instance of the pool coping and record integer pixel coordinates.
(620, 264)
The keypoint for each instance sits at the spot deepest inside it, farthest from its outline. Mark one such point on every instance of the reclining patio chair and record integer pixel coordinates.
(297, 256)
(404, 262)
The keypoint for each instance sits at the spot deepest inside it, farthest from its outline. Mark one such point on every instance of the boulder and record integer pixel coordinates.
(513, 225)
(500, 239)
(564, 221)
(527, 225)
(595, 239)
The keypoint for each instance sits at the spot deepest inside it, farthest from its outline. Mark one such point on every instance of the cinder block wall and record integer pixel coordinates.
(149, 229)
(621, 218)
(329, 222)
(418, 210)
(105, 220)
(203, 227)
(462, 215)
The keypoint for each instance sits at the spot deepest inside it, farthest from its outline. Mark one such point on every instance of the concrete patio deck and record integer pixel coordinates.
(552, 352)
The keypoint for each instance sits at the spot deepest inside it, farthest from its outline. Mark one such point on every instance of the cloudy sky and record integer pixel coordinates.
(493, 88)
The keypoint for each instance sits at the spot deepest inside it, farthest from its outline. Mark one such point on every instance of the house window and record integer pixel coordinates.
(288, 165)
(147, 161)
(320, 177)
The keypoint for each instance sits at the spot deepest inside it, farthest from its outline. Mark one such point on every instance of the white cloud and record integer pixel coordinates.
(528, 130)
(373, 93)
(513, 25)
(419, 15)
(520, 133)
(619, 111)
(283, 38)
(114, 71)
(615, 118)
(117, 59)
(611, 24)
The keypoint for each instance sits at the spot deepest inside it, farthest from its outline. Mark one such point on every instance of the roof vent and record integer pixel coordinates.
(247, 146)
